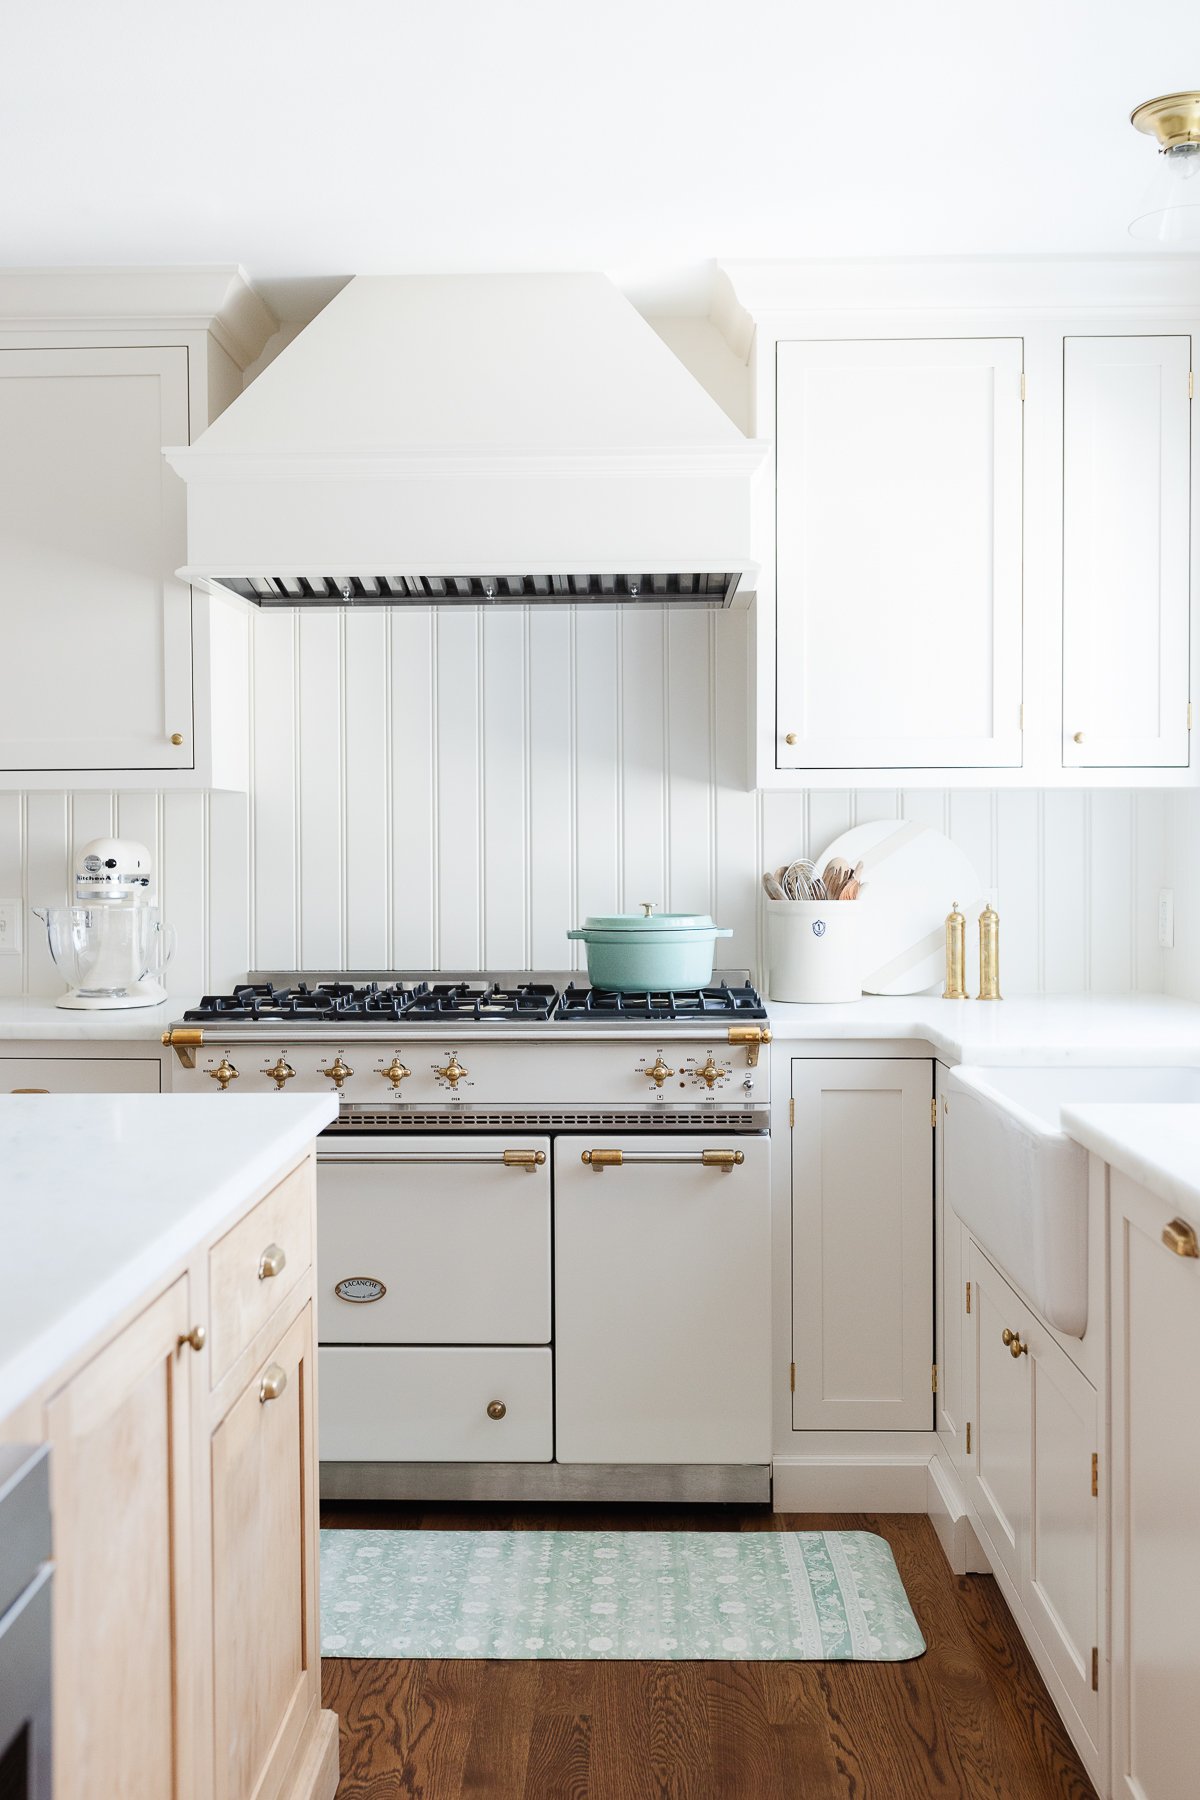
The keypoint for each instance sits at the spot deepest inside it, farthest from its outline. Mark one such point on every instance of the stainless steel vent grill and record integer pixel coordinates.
(706, 589)
(677, 1118)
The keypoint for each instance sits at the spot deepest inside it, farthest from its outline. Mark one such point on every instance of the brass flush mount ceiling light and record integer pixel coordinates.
(1170, 209)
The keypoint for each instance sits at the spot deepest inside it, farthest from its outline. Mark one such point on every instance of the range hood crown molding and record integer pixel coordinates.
(442, 426)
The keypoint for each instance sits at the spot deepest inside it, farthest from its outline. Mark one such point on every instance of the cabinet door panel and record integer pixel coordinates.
(91, 532)
(1126, 551)
(949, 1294)
(999, 1470)
(264, 1577)
(122, 1640)
(899, 553)
(862, 1230)
(1155, 1480)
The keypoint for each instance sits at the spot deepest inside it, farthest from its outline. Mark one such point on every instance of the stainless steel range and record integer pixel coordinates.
(543, 1227)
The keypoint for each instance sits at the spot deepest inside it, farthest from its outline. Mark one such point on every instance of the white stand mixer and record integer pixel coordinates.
(111, 944)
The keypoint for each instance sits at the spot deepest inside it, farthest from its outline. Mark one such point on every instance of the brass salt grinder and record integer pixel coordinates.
(989, 953)
(956, 945)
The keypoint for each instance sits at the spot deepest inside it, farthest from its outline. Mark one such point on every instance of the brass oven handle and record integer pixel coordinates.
(529, 1160)
(708, 1159)
(1181, 1238)
(273, 1382)
(753, 1036)
(185, 1040)
(272, 1262)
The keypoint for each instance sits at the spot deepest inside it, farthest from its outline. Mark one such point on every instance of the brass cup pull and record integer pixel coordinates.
(196, 1338)
(1180, 1237)
(496, 1409)
(273, 1261)
(529, 1160)
(224, 1073)
(272, 1384)
(1012, 1341)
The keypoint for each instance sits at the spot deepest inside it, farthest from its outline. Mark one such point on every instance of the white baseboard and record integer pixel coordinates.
(947, 1509)
(885, 1483)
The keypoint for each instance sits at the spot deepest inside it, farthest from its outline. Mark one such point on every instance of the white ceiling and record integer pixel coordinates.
(321, 138)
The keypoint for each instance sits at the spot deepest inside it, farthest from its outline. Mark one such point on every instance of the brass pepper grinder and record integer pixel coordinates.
(956, 953)
(989, 953)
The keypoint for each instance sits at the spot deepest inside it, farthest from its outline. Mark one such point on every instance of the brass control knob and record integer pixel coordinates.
(281, 1074)
(338, 1071)
(496, 1409)
(224, 1073)
(659, 1073)
(711, 1073)
(395, 1073)
(453, 1071)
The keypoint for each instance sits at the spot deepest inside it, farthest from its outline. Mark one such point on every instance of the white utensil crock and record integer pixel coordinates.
(815, 950)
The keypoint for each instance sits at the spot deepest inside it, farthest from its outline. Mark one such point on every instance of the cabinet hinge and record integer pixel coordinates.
(968, 1437)
(1095, 1476)
(792, 1113)
(1191, 387)
(1021, 717)
(968, 1296)
(791, 1378)
(933, 1114)
(934, 1378)
(1095, 1668)
(1189, 715)
(1022, 384)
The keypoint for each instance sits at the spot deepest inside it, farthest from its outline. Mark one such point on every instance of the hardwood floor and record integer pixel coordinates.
(969, 1719)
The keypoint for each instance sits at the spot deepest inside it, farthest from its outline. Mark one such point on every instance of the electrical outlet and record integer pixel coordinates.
(10, 925)
(1166, 918)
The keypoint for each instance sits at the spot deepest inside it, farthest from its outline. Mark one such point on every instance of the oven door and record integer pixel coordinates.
(663, 1302)
(424, 1241)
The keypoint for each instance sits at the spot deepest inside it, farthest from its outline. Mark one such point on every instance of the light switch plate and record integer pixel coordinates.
(10, 925)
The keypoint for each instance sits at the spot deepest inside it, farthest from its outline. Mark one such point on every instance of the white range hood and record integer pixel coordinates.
(473, 439)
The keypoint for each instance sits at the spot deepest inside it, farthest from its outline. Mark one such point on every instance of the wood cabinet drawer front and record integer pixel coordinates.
(382, 1404)
(243, 1291)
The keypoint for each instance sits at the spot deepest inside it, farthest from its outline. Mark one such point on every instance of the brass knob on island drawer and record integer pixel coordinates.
(1012, 1340)
(1078, 738)
(1179, 1237)
(496, 1409)
(338, 1071)
(790, 738)
(197, 1337)
(272, 1262)
(177, 738)
(224, 1073)
(272, 1384)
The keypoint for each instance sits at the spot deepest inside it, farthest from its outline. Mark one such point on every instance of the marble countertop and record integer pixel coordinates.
(1157, 1146)
(1075, 1028)
(37, 1019)
(102, 1195)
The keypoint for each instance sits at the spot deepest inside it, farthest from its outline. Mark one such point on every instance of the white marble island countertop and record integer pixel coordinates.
(1156, 1145)
(102, 1195)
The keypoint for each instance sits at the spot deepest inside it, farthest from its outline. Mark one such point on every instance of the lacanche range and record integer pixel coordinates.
(544, 1234)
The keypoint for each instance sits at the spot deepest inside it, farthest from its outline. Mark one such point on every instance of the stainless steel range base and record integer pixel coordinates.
(734, 1484)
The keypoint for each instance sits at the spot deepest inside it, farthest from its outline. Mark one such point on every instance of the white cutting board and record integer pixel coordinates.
(914, 875)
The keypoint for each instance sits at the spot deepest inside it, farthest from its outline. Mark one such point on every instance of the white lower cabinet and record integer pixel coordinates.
(1031, 1480)
(80, 1075)
(949, 1240)
(389, 1403)
(1155, 1497)
(662, 1302)
(862, 1228)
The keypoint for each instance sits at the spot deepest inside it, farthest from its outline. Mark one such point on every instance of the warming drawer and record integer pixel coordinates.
(382, 1404)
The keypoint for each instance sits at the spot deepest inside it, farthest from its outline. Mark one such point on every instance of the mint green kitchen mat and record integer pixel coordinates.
(705, 1596)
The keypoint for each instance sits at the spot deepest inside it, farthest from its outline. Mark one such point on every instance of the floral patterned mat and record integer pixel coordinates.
(707, 1596)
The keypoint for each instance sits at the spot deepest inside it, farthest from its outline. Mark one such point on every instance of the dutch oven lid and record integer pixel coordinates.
(648, 920)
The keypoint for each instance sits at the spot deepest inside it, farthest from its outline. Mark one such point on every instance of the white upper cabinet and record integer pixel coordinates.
(1126, 510)
(115, 673)
(899, 554)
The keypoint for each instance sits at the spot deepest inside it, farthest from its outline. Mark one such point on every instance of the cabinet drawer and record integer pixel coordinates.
(379, 1404)
(243, 1291)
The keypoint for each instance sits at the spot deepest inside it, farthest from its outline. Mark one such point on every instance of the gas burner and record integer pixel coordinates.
(373, 1002)
(579, 1006)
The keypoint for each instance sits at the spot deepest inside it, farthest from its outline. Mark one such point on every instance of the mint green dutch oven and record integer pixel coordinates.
(632, 952)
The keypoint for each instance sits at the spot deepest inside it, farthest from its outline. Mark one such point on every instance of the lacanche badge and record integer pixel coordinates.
(361, 1289)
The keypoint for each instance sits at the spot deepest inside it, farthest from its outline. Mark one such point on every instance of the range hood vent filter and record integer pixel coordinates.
(707, 589)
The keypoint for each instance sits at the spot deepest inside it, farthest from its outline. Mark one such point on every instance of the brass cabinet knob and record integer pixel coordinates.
(496, 1409)
(1179, 1237)
(790, 738)
(453, 1071)
(658, 1074)
(338, 1071)
(224, 1073)
(272, 1262)
(1078, 739)
(177, 738)
(196, 1338)
(1012, 1341)
(395, 1072)
(711, 1073)
(281, 1073)
(273, 1382)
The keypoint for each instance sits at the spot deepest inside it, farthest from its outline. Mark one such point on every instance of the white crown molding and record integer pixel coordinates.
(218, 299)
(751, 293)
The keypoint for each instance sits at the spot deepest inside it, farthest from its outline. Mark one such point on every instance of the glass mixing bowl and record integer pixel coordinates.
(106, 952)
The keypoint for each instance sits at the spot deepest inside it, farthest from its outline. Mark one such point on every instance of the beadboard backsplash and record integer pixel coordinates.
(456, 789)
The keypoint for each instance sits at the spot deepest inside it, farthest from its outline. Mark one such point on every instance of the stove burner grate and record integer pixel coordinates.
(583, 1005)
